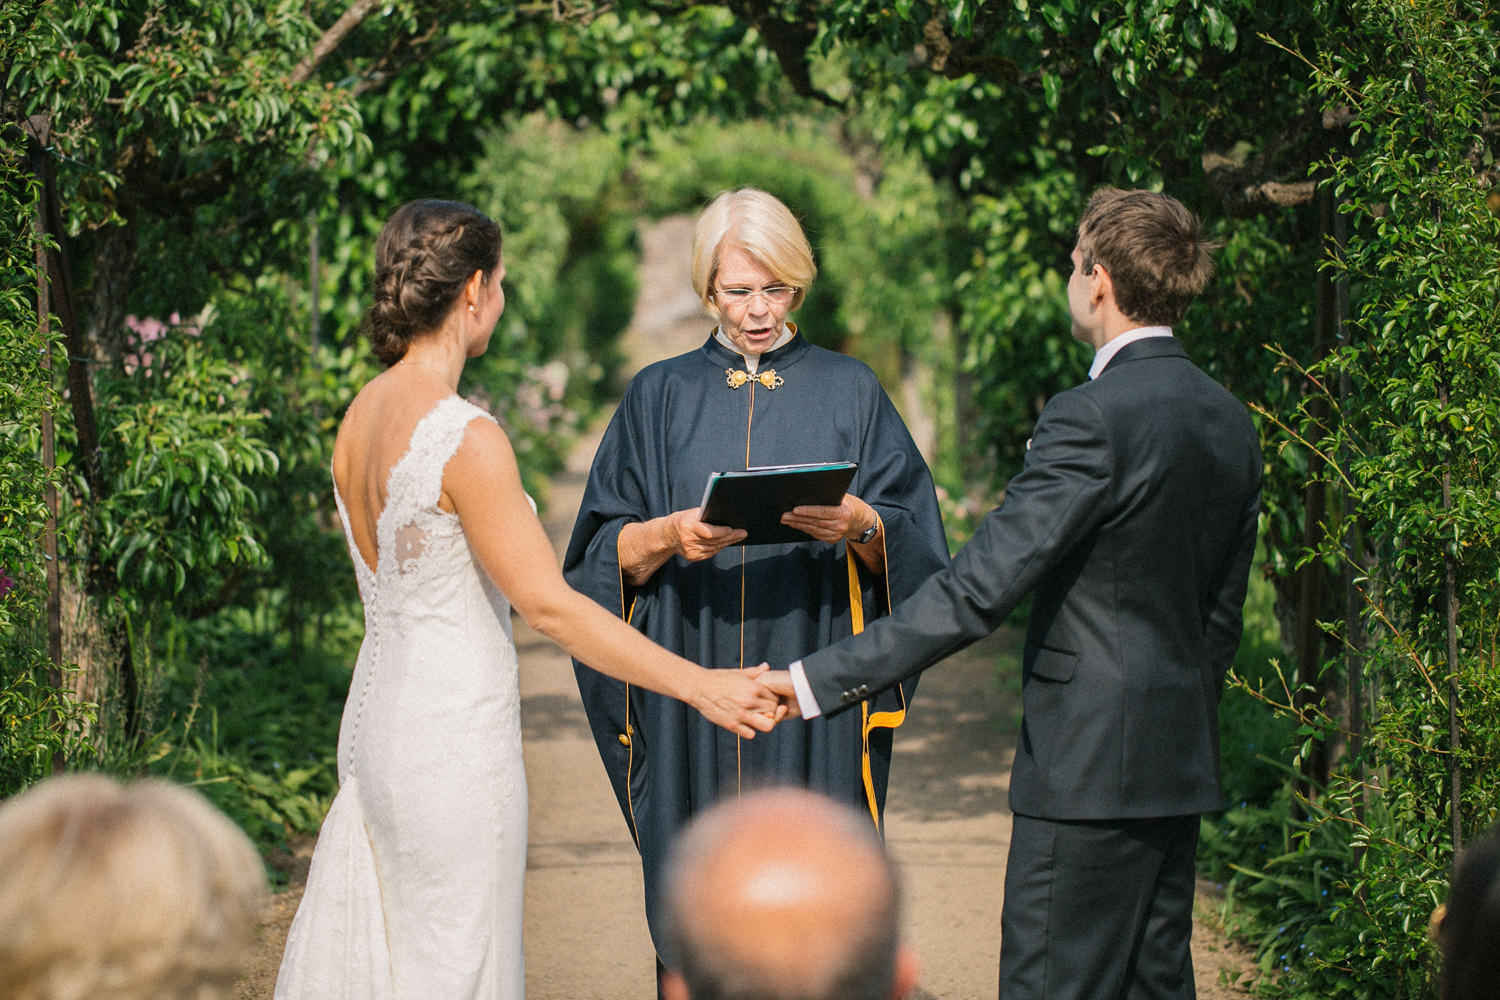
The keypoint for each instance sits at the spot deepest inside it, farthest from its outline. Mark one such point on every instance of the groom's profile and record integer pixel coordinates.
(1132, 525)
(783, 893)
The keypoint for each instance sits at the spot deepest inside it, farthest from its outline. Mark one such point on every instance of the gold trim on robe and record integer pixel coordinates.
(870, 721)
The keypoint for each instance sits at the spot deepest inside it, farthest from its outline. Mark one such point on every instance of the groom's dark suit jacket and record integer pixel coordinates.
(1133, 522)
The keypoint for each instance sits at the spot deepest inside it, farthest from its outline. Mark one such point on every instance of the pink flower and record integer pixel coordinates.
(147, 329)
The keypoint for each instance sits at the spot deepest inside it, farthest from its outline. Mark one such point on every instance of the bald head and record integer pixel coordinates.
(783, 894)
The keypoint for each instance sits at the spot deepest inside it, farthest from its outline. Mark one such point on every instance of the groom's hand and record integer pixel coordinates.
(736, 700)
(779, 682)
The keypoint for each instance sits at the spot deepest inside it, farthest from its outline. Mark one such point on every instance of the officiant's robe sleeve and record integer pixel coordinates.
(679, 420)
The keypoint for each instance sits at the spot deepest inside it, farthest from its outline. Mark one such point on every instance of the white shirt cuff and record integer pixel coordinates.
(806, 703)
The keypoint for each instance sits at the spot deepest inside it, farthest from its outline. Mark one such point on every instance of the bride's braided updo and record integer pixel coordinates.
(424, 255)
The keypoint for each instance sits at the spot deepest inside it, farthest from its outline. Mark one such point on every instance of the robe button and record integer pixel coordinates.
(624, 740)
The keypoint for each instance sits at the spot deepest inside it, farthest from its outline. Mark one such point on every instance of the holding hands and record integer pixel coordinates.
(779, 683)
(735, 700)
(745, 702)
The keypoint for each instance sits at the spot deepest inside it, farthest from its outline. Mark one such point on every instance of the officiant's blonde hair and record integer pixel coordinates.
(762, 226)
(129, 892)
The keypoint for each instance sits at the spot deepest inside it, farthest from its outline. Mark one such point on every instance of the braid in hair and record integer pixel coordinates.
(424, 255)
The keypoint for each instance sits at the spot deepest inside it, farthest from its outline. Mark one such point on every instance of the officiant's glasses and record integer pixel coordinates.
(776, 295)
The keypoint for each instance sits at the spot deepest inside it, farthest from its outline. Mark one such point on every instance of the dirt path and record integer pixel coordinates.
(947, 824)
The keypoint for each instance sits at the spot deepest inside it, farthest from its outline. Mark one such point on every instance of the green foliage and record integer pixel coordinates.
(38, 725)
(251, 723)
(25, 389)
(1334, 909)
(1420, 424)
(179, 519)
(1016, 317)
(1255, 742)
(570, 281)
(209, 90)
(1406, 406)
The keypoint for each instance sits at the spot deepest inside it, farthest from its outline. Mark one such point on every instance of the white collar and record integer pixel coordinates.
(1106, 353)
(752, 361)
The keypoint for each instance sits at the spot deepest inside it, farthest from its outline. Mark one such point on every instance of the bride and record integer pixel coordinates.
(416, 882)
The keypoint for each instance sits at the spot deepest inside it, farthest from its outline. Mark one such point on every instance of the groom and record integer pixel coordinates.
(1132, 524)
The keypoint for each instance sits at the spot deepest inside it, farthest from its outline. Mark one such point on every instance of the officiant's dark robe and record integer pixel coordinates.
(680, 420)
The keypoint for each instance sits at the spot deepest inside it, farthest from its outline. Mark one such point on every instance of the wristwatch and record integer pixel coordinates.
(868, 535)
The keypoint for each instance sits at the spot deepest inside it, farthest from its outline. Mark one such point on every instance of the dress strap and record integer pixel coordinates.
(416, 481)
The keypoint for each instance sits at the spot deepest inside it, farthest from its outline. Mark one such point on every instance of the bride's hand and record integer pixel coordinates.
(733, 699)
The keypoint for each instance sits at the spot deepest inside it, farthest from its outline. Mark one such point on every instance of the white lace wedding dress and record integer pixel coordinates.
(417, 879)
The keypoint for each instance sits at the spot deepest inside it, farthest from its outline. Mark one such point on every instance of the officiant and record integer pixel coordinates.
(755, 393)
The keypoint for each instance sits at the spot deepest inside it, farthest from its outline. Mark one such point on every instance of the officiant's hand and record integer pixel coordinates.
(779, 682)
(735, 700)
(852, 521)
(848, 522)
(645, 546)
(697, 539)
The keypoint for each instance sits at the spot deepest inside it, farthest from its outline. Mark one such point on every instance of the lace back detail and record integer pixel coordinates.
(421, 554)
(412, 525)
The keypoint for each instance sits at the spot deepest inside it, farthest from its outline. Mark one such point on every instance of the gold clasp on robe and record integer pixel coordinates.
(735, 378)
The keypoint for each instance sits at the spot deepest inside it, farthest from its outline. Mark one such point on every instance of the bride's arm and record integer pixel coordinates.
(483, 483)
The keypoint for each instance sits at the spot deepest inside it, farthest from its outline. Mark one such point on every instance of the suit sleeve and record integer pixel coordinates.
(1058, 499)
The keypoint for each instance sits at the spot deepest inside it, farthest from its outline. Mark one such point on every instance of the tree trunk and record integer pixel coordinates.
(49, 462)
(115, 259)
(101, 583)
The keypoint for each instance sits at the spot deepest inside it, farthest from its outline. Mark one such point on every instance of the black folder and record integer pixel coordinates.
(755, 498)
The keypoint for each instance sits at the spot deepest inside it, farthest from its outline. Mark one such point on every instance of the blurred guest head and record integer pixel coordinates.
(1468, 926)
(783, 894)
(133, 891)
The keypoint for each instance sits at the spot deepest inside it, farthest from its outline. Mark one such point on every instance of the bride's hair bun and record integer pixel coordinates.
(426, 252)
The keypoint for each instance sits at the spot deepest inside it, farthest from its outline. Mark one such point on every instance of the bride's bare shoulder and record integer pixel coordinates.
(353, 433)
(379, 421)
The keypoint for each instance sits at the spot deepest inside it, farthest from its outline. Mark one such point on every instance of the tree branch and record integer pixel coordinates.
(789, 41)
(332, 39)
(1276, 177)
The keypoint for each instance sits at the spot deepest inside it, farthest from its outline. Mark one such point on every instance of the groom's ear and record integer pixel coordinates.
(673, 986)
(1103, 284)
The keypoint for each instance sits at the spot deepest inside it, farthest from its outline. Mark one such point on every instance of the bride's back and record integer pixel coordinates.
(374, 436)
